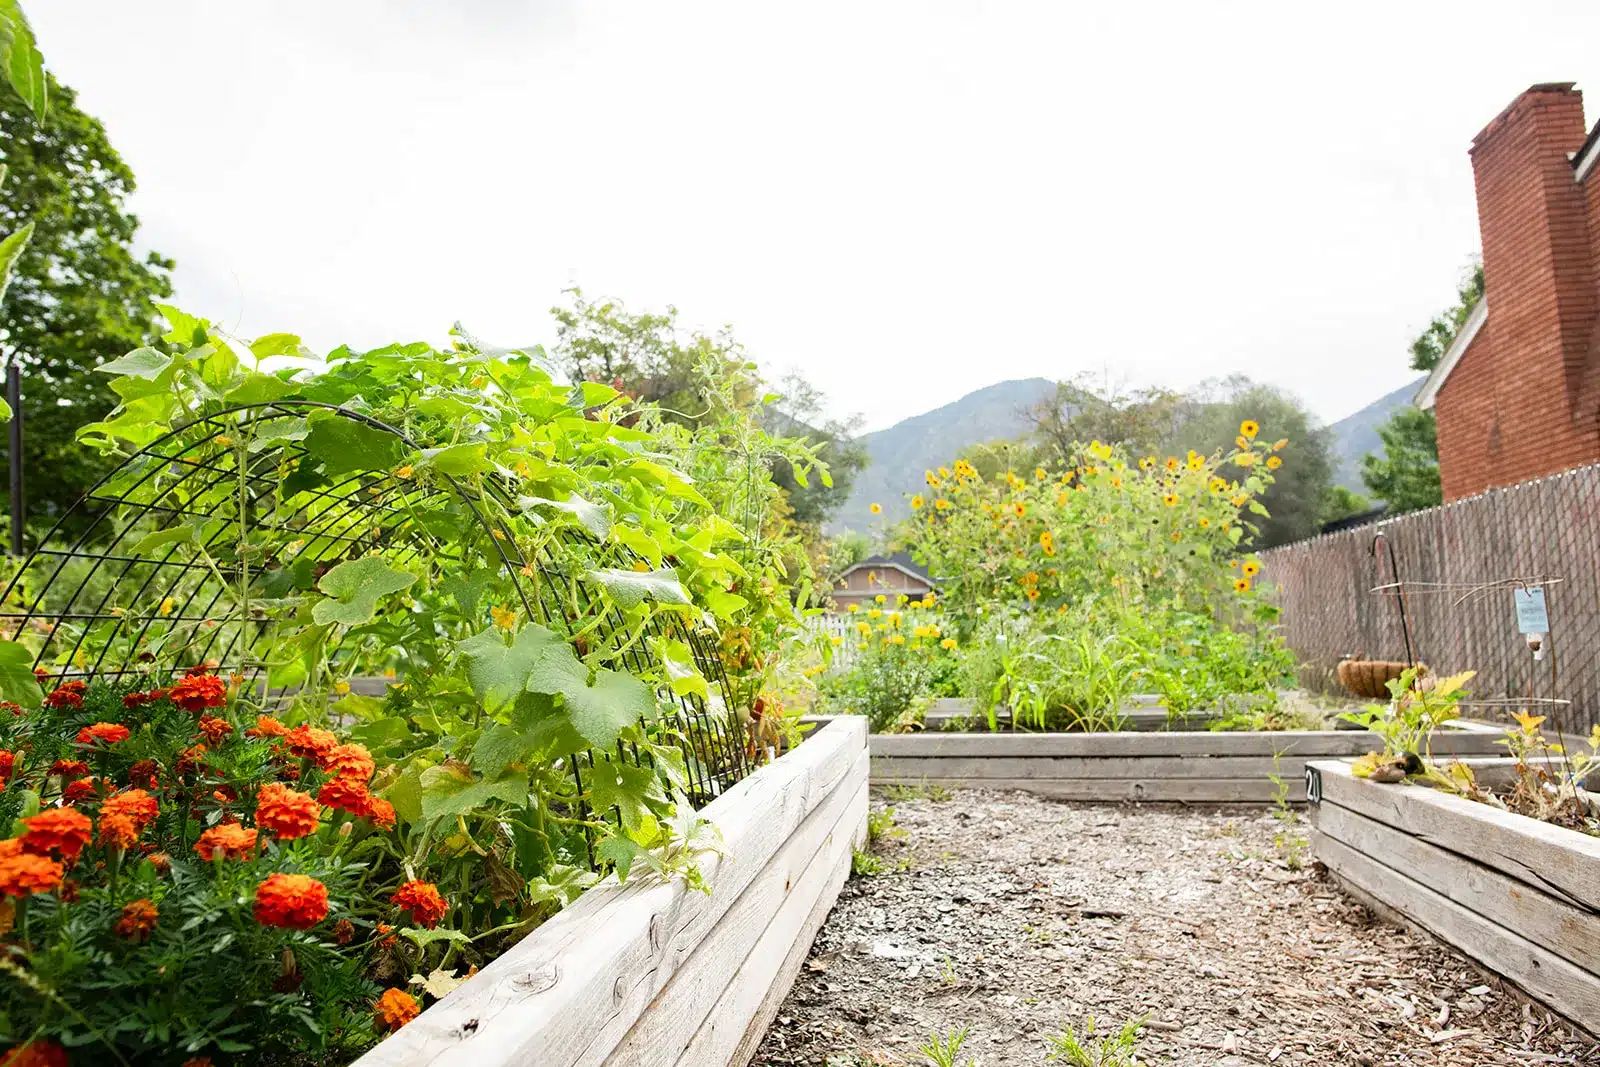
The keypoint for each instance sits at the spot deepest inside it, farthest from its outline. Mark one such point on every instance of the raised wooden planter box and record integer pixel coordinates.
(1519, 896)
(651, 975)
(1195, 766)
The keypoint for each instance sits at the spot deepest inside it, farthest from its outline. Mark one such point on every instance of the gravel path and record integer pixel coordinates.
(1016, 915)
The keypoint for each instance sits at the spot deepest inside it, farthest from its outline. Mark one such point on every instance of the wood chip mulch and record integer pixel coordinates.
(1015, 915)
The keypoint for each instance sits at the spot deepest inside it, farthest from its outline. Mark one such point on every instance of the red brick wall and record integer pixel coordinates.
(1520, 402)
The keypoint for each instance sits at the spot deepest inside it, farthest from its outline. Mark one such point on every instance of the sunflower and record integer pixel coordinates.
(1273, 463)
(1249, 428)
(1047, 541)
(1170, 499)
(917, 502)
(1147, 463)
(1172, 463)
(876, 509)
(1204, 522)
(1195, 460)
(941, 504)
(948, 644)
(1241, 585)
(1251, 569)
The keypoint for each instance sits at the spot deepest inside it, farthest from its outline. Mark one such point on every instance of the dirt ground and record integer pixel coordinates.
(1015, 915)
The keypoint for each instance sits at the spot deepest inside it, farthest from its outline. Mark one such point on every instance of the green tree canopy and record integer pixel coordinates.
(650, 357)
(81, 294)
(1406, 474)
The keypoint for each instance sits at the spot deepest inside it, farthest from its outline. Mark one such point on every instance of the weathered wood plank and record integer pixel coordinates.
(1568, 932)
(1116, 790)
(801, 869)
(1047, 767)
(1562, 862)
(1570, 990)
(757, 988)
(1303, 743)
(542, 1001)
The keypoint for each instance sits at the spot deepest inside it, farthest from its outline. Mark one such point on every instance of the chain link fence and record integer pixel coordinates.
(1442, 582)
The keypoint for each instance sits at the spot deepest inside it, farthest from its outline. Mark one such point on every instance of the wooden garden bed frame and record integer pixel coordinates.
(1209, 767)
(1519, 896)
(652, 975)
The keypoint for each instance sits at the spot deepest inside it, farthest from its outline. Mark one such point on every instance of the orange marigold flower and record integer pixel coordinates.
(350, 761)
(22, 873)
(135, 803)
(286, 813)
(344, 931)
(198, 1061)
(396, 1008)
(118, 831)
(63, 830)
(347, 794)
(295, 901)
(215, 730)
(198, 692)
(308, 742)
(68, 695)
(385, 935)
(226, 840)
(382, 813)
(161, 862)
(69, 768)
(8, 762)
(78, 789)
(36, 1053)
(423, 901)
(138, 921)
(267, 726)
(109, 732)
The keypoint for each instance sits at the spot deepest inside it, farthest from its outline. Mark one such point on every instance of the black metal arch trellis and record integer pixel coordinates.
(164, 573)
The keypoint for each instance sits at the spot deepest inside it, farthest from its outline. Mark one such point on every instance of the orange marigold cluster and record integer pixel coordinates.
(227, 840)
(22, 873)
(144, 773)
(294, 901)
(198, 692)
(310, 742)
(79, 789)
(8, 763)
(68, 695)
(109, 732)
(350, 761)
(69, 768)
(36, 1053)
(215, 730)
(118, 831)
(59, 830)
(134, 804)
(287, 814)
(382, 813)
(346, 794)
(423, 900)
(267, 726)
(139, 700)
(396, 1008)
(138, 921)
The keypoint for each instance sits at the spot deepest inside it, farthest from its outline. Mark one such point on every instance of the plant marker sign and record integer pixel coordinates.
(1533, 621)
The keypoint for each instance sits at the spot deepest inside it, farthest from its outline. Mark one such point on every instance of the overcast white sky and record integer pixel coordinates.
(906, 200)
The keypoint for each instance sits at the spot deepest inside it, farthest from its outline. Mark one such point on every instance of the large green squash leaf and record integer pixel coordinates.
(17, 681)
(354, 589)
(346, 446)
(631, 588)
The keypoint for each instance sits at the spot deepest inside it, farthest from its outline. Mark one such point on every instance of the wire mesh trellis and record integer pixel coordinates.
(187, 553)
(1457, 567)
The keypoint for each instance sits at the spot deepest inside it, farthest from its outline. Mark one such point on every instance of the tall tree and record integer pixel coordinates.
(80, 296)
(1406, 474)
(1083, 410)
(650, 357)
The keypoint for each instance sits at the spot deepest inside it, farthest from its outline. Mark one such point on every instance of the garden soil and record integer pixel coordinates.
(1015, 915)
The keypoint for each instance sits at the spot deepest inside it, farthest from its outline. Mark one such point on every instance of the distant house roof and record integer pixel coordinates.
(899, 561)
(1350, 522)
(1469, 329)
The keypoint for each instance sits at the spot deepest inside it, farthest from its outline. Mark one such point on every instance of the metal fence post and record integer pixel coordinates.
(18, 510)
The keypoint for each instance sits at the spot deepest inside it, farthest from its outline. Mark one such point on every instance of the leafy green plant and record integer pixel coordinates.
(944, 1049)
(1418, 705)
(1090, 1050)
(865, 864)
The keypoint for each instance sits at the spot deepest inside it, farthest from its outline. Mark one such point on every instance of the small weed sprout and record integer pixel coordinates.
(900, 792)
(1088, 1050)
(881, 824)
(1290, 843)
(864, 864)
(941, 1050)
(947, 973)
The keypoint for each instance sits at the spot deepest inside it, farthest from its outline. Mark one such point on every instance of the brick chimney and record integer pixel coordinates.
(1539, 265)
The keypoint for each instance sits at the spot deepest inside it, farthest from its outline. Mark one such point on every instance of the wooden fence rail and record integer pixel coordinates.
(1456, 564)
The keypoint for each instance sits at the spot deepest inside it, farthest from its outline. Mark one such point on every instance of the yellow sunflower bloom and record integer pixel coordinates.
(1047, 541)
(1172, 463)
(917, 502)
(1039, 474)
(876, 509)
(881, 599)
(1273, 463)
(1249, 428)
(853, 608)
(1170, 499)
(1195, 460)
(897, 639)
(1251, 569)
(1529, 723)
(1241, 585)
(941, 504)
(1147, 463)
(1033, 594)
(948, 644)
